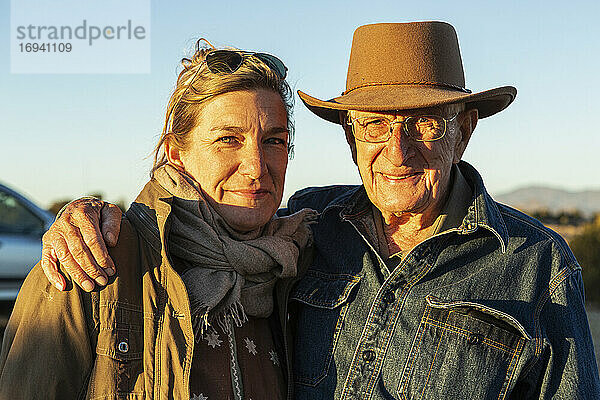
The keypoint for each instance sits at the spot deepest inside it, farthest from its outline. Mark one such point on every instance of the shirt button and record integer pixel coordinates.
(389, 297)
(368, 355)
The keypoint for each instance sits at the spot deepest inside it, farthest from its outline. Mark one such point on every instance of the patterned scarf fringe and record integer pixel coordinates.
(234, 313)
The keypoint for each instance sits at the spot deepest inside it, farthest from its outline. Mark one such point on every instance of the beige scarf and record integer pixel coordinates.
(228, 274)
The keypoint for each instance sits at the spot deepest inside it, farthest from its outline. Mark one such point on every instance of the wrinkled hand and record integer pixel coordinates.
(77, 241)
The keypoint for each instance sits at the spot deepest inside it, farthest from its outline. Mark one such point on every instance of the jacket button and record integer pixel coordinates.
(368, 355)
(123, 347)
(389, 297)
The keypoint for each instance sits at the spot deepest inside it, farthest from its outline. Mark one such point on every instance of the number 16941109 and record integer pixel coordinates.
(45, 47)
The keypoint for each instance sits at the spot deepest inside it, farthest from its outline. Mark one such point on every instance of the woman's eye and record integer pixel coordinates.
(227, 139)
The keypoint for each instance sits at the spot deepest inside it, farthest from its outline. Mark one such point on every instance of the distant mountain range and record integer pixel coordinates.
(534, 198)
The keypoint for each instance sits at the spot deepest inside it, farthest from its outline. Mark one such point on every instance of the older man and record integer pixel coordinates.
(422, 286)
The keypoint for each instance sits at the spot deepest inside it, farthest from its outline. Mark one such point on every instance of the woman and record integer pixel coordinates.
(191, 313)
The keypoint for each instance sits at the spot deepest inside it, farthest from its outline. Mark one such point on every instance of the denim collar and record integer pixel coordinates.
(482, 213)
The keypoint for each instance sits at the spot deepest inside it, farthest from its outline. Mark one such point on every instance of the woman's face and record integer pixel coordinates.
(238, 154)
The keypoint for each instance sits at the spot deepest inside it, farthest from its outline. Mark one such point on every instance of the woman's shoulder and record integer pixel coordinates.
(127, 256)
(127, 242)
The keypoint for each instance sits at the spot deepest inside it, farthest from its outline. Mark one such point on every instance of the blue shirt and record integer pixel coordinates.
(490, 309)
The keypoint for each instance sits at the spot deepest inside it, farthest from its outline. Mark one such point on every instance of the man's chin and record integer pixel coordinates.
(401, 205)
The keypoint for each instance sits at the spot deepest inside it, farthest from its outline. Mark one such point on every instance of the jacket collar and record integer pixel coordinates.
(483, 211)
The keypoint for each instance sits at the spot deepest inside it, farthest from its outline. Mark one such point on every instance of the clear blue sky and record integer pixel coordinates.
(65, 135)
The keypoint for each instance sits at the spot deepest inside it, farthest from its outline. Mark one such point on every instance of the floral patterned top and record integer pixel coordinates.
(243, 363)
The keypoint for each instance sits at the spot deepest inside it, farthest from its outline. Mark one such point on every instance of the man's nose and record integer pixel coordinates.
(253, 163)
(398, 146)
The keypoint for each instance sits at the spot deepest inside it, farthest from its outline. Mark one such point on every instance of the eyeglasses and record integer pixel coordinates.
(229, 61)
(379, 129)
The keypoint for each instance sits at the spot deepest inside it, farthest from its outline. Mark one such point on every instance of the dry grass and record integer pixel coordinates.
(566, 231)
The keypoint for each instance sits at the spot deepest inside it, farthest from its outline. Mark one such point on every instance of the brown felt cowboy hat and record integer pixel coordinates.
(405, 66)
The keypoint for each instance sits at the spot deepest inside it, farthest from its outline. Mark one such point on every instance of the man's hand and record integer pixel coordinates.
(77, 241)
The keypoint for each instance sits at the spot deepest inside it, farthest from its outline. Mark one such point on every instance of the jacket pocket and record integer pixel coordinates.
(321, 302)
(463, 349)
(118, 366)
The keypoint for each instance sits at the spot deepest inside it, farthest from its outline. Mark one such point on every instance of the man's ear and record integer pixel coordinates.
(468, 122)
(349, 136)
(173, 154)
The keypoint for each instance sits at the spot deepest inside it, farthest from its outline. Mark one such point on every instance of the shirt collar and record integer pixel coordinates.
(457, 204)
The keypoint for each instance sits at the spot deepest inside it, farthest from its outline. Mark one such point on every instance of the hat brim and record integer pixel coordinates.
(406, 97)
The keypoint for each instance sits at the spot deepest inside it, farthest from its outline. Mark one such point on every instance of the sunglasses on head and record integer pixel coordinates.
(228, 61)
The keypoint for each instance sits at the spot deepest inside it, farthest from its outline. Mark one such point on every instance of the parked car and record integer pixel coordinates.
(22, 225)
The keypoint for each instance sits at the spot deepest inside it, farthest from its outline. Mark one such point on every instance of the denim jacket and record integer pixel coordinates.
(493, 309)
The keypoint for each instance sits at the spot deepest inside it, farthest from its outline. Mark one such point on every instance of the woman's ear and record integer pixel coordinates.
(173, 154)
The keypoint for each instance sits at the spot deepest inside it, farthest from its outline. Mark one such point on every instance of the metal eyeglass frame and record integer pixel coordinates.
(350, 122)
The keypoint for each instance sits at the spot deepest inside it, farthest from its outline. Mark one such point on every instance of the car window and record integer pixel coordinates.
(17, 219)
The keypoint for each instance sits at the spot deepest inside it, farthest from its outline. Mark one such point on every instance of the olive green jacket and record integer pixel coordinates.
(132, 339)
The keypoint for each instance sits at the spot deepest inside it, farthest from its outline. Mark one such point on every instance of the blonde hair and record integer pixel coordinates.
(197, 85)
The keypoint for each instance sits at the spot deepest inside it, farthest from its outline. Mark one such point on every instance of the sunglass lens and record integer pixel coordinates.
(223, 61)
(274, 63)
